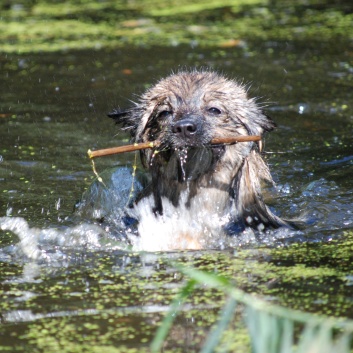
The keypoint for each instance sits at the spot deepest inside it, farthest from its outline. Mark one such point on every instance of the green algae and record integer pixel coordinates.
(116, 301)
(50, 26)
(108, 302)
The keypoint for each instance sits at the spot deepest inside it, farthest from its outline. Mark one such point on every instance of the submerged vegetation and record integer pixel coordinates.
(32, 26)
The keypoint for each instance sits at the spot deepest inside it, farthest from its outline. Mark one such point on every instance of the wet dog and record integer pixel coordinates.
(198, 193)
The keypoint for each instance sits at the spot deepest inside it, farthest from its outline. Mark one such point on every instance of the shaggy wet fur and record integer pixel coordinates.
(217, 187)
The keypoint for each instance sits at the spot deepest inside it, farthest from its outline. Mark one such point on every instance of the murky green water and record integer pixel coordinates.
(89, 296)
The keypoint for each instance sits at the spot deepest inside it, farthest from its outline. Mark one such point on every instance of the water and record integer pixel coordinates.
(62, 271)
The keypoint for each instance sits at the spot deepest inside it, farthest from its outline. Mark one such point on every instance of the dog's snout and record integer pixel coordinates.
(185, 128)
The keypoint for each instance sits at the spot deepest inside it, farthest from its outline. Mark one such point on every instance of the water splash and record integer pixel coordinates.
(41, 244)
(192, 162)
(327, 210)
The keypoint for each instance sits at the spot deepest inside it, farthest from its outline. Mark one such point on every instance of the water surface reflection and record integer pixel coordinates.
(53, 110)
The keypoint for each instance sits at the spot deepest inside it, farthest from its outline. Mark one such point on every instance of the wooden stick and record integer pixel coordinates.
(144, 145)
(122, 149)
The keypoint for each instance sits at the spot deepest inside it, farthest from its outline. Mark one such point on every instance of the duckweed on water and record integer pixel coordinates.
(50, 26)
(103, 302)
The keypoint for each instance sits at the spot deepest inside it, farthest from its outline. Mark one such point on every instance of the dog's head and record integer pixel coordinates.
(184, 112)
(189, 109)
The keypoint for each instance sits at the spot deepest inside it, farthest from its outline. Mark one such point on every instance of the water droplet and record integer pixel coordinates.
(57, 204)
(183, 155)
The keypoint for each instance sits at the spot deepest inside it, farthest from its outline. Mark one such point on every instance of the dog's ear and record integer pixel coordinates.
(120, 116)
(250, 208)
(126, 118)
(269, 124)
(261, 123)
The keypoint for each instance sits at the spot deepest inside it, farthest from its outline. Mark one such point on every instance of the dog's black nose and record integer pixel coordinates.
(185, 128)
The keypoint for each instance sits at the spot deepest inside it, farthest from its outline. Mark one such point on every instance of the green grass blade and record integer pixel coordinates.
(167, 322)
(287, 336)
(216, 333)
(207, 278)
(271, 327)
(343, 343)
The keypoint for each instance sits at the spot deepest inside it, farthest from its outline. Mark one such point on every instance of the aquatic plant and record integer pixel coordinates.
(36, 26)
(272, 328)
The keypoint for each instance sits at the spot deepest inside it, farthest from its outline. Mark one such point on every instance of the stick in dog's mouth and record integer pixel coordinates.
(153, 144)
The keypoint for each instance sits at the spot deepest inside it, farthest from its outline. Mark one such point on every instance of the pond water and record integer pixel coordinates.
(65, 286)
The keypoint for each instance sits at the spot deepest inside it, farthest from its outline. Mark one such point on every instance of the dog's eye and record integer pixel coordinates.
(164, 114)
(214, 111)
